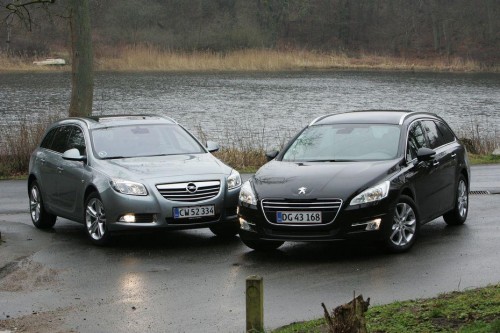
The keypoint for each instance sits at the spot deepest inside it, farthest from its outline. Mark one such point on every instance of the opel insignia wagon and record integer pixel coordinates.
(129, 173)
(375, 175)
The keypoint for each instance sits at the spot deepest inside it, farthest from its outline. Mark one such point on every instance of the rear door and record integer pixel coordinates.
(445, 161)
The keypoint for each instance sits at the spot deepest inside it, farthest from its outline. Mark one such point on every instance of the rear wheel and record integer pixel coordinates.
(458, 214)
(39, 216)
(261, 245)
(405, 226)
(95, 220)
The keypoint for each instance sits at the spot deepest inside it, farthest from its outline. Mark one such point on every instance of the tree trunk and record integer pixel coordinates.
(82, 72)
(348, 318)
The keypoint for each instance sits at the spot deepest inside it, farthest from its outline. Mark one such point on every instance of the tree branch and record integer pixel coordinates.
(21, 10)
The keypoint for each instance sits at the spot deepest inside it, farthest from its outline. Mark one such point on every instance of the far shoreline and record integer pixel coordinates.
(148, 59)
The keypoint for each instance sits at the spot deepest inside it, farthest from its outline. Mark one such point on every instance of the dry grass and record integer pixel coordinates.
(18, 142)
(149, 58)
(152, 59)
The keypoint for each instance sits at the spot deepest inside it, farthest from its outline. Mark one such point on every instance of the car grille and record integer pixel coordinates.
(191, 191)
(328, 207)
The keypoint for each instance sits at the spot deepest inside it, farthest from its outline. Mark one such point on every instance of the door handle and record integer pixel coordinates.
(453, 155)
(435, 163)
(60, 169)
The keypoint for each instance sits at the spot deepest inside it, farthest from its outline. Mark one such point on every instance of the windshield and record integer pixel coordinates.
(345, 142)
(143, 140)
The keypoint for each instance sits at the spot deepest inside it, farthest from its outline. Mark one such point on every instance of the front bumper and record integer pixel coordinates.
(155, 212)
(368, 221)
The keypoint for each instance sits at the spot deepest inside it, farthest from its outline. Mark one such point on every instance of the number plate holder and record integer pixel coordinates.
(193, 212)
(298, 217)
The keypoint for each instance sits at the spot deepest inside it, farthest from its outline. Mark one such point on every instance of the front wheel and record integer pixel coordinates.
(458, 214)
(39, 216)
(261, 245)
(405, 226)
(95, 220)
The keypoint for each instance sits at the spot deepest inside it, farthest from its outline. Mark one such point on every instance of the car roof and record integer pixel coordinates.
(370, 116)
(118, 120)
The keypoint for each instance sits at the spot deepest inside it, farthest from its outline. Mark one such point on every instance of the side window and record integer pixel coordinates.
(446, 133)
(433, 134)
(416, 140)
(47, 140)
(77, 140)
(60, 142)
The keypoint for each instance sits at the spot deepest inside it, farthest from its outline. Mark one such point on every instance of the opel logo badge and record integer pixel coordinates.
(302, 190)
(191, 188)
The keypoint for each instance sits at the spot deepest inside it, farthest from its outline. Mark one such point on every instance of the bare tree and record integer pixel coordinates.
(82, 82)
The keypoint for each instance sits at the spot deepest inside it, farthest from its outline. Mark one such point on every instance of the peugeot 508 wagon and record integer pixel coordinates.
(128, 173)
(376, 175)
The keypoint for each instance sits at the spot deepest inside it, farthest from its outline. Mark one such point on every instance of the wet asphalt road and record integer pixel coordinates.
(190, 281)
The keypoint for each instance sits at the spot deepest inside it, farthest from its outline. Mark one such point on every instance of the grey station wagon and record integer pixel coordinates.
(125, 173)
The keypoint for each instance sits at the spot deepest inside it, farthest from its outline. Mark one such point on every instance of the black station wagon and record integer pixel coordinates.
(368, 174)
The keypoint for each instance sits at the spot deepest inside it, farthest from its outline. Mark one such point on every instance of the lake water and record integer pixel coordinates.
(263, 108)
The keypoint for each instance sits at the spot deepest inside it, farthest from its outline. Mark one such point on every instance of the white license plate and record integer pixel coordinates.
(195, 211)
(298, 217)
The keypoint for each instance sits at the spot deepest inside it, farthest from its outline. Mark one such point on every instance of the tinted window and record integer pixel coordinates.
(416, 140)
(60, 142)
(77, 140)
(433, 134)
(47, 140)
(446, 133)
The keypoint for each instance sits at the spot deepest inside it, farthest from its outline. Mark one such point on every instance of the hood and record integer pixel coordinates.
(340, 180)
(193, 165)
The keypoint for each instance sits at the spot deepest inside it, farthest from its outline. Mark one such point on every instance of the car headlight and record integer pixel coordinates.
(372, 194)
(247, 195)
(234, 180)
(128, 187)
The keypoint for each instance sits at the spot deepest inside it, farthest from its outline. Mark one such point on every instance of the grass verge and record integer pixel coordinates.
(476, 310)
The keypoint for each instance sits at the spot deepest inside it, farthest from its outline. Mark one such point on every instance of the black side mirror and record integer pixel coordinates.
(425, 154)
(271, 155)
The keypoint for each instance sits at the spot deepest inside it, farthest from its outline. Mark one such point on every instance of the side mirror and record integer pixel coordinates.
(73, 154)
(212, 146)
(271, 155)
(425, 154)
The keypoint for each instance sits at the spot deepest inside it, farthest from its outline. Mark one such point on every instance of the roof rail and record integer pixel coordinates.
(403, 117)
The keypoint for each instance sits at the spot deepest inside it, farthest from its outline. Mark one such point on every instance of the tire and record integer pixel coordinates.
(226, 230)
(405, 226)
(458, 214)
(95, 220)
(39, 216)
(261, 245)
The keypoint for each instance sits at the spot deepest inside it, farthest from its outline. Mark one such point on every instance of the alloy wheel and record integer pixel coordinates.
(35, 204)
(95, 219)
(404, 225)
(462, 198)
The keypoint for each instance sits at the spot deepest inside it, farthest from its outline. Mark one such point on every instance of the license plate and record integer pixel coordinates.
(195, 211)
(298, 217)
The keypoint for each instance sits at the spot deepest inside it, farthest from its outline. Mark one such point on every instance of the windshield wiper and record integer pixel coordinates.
(113, 157)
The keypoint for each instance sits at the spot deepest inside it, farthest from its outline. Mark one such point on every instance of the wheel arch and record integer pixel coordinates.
(90, 189)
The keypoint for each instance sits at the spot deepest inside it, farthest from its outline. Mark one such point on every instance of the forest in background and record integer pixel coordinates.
(402, 28)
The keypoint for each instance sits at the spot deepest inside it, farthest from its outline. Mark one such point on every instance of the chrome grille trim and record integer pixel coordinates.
(329, 206)
(178, 191)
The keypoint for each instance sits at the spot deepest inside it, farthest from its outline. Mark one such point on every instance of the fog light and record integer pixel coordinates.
(245, 225)
(370, 225)
(129, 218)
(373, 225)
